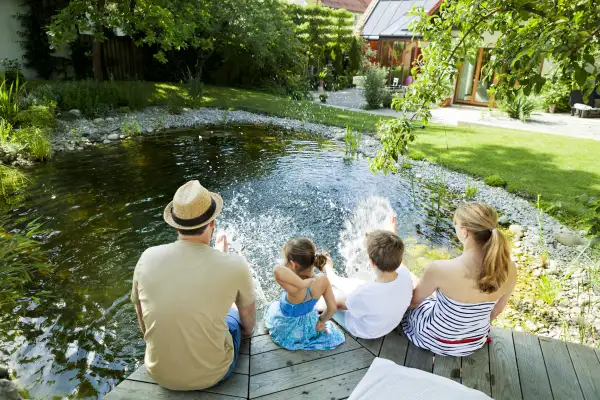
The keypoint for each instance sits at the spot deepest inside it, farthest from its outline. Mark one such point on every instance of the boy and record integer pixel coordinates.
(373, 309)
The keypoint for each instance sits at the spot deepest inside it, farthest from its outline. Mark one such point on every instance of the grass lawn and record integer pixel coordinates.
(556, 167)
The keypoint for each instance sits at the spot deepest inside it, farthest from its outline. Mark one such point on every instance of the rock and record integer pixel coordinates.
(106, 141)
(517, 244)
(4, 373)
(517, 251)
(122, 136)
(98, 121)
(536, 272)
(503, 220)
(110, 119)
(75, 113)
(595, 242)
(8, 390)
(113, 136)
(531, 326)
(518, 230)
(569, 239)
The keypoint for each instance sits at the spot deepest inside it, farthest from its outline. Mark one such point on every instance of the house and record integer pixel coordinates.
(10, 46)
(385, 26)
(356, 7)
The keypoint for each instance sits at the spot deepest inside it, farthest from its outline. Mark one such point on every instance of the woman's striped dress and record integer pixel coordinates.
(448, 327)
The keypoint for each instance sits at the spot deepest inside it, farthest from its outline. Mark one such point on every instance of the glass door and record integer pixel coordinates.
(472, 86)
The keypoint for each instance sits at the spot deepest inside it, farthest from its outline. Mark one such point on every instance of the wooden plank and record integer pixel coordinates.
(282, 358)
(532, 370)
(417, 357)
(504, 373)
(394, 348)
(309, 372)
(128, 390)
(243, 364)
(261, 344)
(245, 346)
(338, 387)
(561, 373)
(235, 385)
(587, 368)
(373, 345)
(448, 367)
(476, 370)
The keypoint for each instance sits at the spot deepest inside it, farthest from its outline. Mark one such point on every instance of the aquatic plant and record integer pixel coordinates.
(131, 128)
(9, 99)
(36, 142)
(5, 130)
(352, 140)
(548, 289)
(470, 191)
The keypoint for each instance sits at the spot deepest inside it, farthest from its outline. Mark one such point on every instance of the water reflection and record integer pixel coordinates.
(103, 207)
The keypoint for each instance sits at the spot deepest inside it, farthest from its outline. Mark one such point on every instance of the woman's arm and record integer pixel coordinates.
(329, 301)
(288, 280)
(503, 301)
(427, 285)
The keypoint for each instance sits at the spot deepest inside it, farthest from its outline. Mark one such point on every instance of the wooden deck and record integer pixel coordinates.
(513, 366)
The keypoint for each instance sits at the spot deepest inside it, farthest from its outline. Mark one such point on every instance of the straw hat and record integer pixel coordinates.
(193, 206)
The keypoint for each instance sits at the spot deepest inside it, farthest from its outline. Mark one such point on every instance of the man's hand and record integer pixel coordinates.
(393, 224)
(222, 244)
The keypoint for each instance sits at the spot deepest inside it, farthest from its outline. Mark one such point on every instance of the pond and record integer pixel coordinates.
(102, 207)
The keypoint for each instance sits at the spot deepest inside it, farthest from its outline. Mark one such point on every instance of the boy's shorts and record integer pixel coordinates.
(235, 329)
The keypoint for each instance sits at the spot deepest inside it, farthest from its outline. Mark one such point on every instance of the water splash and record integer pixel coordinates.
(372, 213)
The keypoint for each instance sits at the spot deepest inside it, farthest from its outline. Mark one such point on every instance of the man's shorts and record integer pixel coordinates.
(235, 329)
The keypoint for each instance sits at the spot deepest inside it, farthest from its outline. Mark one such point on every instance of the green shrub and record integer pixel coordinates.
(470, 191)
(556, 92)
(417, 155)
(43, 95)
(92, 98)
(37, 116)
(494, 180)
(342, 82)
(131, 94)
(10, 70)
(195, 88)
(323, 97)
(518, 106)
(374, 86)
(298, 88)
(35, 140)
(386, 97)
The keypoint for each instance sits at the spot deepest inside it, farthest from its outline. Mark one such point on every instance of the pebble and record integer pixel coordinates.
(106, 141)
(75, 113)
(98, 121)
(113, 136)
(569, 239)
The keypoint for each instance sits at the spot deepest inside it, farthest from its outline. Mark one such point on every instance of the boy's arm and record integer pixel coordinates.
(341, 304)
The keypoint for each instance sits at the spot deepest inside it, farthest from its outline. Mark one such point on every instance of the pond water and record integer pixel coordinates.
(102, 207)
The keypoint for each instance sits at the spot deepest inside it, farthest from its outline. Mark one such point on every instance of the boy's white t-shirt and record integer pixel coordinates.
(375, 309)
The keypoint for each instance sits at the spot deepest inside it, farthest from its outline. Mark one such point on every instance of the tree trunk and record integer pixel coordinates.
(97, 48)
(97, 60)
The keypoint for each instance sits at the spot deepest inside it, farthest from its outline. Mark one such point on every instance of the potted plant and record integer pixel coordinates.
(322, 75)
(323, 97)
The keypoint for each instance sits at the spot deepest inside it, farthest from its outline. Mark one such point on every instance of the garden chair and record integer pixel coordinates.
(582, 110)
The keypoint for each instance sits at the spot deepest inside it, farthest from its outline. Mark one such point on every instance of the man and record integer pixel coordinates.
(184, 291)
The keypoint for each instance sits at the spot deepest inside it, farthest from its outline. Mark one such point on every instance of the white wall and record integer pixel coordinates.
(9, 38)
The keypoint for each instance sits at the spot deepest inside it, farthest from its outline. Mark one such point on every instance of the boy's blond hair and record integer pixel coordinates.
(385, 249)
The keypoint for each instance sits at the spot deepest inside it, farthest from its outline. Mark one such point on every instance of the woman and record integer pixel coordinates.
(471, 290)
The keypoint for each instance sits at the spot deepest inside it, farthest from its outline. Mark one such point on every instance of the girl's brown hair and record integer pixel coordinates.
(480, 220)
(303, 252)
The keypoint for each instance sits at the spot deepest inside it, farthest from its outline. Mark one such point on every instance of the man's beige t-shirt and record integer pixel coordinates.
(186, 290)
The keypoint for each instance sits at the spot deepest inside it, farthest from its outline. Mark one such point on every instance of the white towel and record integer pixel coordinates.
(387, 380)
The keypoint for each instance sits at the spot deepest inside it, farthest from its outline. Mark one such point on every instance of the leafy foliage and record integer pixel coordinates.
(90, 97)
(518, 106)
(10, 70)
(494, 180)
(352, 141)
(556, 92)
(35, 140)
(374, 87)
(323, 97)
(548, 289)
(9, 99)
(37, 116)
(470, 191)
(565, 32)
(591, 217)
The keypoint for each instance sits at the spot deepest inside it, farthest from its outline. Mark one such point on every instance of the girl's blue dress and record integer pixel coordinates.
(293, 326)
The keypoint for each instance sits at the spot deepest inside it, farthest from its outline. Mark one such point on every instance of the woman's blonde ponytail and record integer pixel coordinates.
(481, 220)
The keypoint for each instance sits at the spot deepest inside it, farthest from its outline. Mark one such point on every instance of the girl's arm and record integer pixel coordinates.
(426, 286)
(288, 280)
(329, 301)
(503, 301)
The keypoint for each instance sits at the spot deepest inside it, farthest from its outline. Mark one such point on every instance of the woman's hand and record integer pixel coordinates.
(321, 326)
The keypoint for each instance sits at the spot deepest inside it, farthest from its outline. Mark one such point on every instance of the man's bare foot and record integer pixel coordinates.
(222, 244)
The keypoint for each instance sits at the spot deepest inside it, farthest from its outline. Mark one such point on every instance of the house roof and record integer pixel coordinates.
(389, 19)
(350, 5)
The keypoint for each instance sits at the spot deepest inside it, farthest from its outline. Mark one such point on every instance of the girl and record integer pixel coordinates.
(471, 290)
(292, 321)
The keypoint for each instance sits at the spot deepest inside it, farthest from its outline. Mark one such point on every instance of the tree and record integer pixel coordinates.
(566, 32)
(151, 22)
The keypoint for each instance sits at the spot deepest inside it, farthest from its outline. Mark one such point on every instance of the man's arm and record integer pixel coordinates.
(138, 311)
(248, 318)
